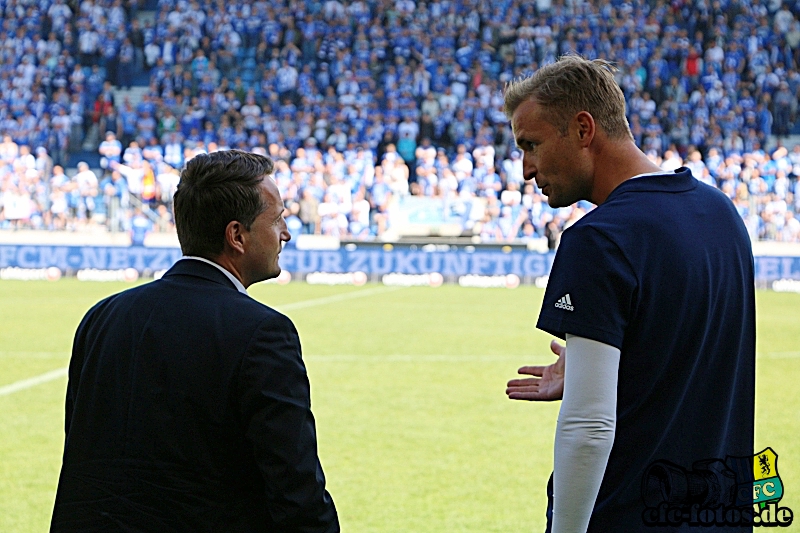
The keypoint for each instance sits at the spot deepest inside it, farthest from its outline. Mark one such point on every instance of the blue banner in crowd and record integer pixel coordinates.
(368, 259)
(406, 261)
(68, 258)
(770, 268)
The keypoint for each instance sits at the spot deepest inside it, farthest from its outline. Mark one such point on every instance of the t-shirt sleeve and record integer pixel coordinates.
(591, 289)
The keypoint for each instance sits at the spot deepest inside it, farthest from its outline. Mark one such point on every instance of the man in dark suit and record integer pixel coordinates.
(188, 402)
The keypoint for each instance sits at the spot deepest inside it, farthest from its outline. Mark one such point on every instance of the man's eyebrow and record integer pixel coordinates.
(520, 141)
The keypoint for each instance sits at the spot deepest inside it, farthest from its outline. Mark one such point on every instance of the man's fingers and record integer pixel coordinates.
(515, 395)
(557, 348)
(531, 370)
(522, 390)
(527, 382)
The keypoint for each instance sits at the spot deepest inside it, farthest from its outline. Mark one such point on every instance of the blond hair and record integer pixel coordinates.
(571, 85)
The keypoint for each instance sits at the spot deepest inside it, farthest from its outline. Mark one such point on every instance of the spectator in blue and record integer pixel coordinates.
(379, 197)
(293, 222)
(141, 227)
(126, 64)
(110, 150)
(128, 118)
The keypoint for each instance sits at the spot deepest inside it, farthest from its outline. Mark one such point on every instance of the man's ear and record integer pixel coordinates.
(236, 236)
(585, 128)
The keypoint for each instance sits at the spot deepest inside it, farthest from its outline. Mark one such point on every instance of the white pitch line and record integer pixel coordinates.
(60, 372)
(778, 355)
(55, 374)
(433, 358)
(336, 298)
(32, 382)
(35, 355)
(410, 358)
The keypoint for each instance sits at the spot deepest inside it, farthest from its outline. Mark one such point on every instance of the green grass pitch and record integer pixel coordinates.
(415, 432)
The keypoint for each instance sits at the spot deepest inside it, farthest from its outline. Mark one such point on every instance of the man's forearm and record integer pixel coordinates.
(585, 432)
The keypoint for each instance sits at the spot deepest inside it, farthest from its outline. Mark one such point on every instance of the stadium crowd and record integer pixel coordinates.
(365, 103)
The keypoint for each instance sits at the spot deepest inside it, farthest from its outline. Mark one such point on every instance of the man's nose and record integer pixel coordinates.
(529, 168)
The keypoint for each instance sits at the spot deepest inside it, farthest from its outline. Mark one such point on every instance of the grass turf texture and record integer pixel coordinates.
(415, 432)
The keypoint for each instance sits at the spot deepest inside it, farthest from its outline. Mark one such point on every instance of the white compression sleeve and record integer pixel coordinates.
(585, 432)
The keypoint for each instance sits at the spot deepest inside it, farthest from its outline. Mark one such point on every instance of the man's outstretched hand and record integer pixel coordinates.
(548, 385)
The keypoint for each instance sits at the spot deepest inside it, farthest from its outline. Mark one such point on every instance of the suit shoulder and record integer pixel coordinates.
(117, 305)
(117, 298)
(262, 310)
(236, 306)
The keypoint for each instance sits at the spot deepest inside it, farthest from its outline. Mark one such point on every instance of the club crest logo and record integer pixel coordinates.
(767, 485)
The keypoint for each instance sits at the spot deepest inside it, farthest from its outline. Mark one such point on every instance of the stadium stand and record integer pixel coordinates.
(384, 117)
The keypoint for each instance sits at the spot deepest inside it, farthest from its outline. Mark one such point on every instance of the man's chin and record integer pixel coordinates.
(552, 201)
(557, 203)
(266, 276)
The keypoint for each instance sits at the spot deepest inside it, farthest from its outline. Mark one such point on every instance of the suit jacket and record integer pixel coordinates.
(188, 410)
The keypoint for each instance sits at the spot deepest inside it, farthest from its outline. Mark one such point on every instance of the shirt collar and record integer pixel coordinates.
(659, 173)
(678, 181)
(236, 282)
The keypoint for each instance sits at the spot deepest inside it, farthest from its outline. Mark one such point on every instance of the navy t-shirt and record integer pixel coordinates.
(662, 270)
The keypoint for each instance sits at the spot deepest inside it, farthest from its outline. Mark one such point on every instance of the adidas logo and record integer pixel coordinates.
(565, 303)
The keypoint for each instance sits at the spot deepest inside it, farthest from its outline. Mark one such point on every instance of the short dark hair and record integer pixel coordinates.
(570, 85)
(215, 189)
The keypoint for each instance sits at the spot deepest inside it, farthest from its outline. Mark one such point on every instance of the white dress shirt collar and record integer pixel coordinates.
(236, 282)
